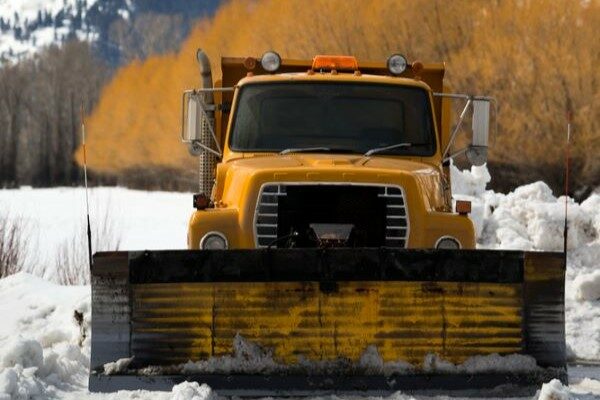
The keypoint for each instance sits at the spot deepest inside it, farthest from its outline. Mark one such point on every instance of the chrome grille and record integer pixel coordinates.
(396, 227)
(265, 221)
(267, 209)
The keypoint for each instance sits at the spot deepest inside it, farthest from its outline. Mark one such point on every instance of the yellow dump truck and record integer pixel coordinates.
(326, 254)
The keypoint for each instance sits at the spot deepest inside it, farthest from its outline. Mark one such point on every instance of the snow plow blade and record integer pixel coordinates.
(318, 321)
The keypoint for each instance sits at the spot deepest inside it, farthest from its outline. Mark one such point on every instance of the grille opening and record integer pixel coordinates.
(360, 206)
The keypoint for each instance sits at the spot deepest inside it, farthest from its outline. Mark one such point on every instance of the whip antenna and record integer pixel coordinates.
(567, 162)
(87, 201)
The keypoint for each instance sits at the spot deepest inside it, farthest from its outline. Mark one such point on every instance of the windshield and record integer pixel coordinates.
(342, 117)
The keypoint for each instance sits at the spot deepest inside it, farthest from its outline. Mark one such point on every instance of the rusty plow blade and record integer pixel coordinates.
(319, 321)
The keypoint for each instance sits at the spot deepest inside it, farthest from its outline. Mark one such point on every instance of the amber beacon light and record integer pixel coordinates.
(338, 63)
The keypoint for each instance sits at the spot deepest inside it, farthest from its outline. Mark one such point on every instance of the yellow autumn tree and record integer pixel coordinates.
(537, 57)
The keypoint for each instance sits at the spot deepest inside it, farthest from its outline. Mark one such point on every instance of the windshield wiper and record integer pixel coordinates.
(304, 150)
(315, 150)
(380, 149)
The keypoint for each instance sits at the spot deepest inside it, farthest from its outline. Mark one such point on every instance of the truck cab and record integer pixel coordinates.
(329, 152)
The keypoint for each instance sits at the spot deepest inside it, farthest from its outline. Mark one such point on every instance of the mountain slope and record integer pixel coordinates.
(120, 29)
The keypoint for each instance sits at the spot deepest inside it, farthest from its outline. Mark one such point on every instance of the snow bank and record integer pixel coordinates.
(249, 357)
(515, 363)
(192, 391)
(587, 385)
(31, 371)
(44, 349)
(470, 185)
(532, 218)
(554, 390)
(27, 353)
(120, 365)
(587, 286)
(471, 182)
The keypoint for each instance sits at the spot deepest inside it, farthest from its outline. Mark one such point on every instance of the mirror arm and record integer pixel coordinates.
(204, 147)
(219, 152)
(214, 89)
(463, 96)
(477, 151)
(454, 155)
(457, 127)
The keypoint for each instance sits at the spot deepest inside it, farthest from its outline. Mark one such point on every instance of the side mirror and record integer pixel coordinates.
(191, 115)
(197, 124)
(477, 151)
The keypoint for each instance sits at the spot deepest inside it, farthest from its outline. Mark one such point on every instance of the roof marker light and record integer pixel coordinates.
(463, 207)
(249, 63)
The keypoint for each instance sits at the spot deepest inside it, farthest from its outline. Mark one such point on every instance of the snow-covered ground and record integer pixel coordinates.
(532, 218)
(44, 327)
(29, 9)
(129, 219)
(28, 28)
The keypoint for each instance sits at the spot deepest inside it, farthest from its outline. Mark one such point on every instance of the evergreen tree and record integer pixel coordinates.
(48, 21)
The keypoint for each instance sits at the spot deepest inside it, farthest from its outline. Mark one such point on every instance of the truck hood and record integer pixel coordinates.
(325, 161)
(236, 175)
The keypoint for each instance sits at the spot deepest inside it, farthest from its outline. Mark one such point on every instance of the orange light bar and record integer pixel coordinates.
(463, 207)
(338, 63)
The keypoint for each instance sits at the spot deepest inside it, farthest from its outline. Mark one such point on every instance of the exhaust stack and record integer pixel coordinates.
(207, 160)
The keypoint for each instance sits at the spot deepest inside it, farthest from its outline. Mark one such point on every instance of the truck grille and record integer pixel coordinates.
(380, 209)
(266, 216)
(396, 225)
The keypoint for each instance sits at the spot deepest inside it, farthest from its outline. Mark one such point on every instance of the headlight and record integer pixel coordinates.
(396, 64)
(448, 243)
(270, 61)
(214, 241)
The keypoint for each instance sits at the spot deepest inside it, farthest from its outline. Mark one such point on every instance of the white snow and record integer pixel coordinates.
(516, 363)
(137, 220)
(14, 49)
(587, 385)
(27, 353)
(120, 365)
(192, 391)
(44, 350)
(249, 357)
(554, 390)
(470, 185)
(28, 9)
(532, 218)
(587, 286)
